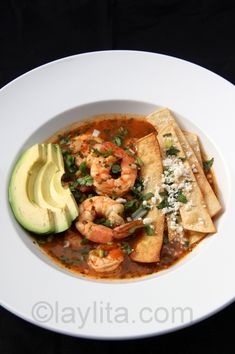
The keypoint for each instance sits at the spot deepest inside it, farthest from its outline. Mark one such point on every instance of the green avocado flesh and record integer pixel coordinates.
(38, 200)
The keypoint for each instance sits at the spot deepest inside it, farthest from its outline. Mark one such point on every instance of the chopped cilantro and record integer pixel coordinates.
(116, 168)
(105, 222)
(149, 230)
(118, 140)
(167, 135)
(138, 187)
(123, 131)
(133, 229)
(85, 181)
(126, 248)
(172, 151)
(208, 164)
(64, 140)
(163, 204)
(105, 154)
(139, 161)
(147, 196)
(131, 204)
(181, 197)
(69, 162)
(82, 168)
(108, 153)
(163, 194)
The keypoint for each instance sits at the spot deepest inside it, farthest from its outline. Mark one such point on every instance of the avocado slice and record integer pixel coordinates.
(35, 189)
(30, 215)
(58, 192)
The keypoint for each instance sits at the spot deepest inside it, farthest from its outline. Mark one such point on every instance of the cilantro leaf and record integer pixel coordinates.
(139, 161)
(208, 164)
(181, 197)
(82, 168)
(147, 196)
(172, 151)
(118, 140)
(64, 140)
(69, 161)
(85, 181)
(116, 168)
(123, 131)
(149, 230)
(105, 222)
(126, 248)
(163, 204)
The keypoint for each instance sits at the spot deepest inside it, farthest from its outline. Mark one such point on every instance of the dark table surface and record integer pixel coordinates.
(34, 32)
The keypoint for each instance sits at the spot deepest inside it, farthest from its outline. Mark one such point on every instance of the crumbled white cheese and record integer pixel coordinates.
(145, 182)
(174, 179)
(145, 202)
(188, 153)
(129, 219)
(188, 186)
(194, 169)
(175, 225)
(120, 200)
(201, 221)
(147, 221)
(96, 133)
(153, 200)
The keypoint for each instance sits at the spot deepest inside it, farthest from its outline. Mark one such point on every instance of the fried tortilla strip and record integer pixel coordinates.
(147, 248)
(191, 236)
(194, 213)
(161, 119)
(194, 143)
(195, 237)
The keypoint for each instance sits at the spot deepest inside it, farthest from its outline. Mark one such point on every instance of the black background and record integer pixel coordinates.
(34, 32)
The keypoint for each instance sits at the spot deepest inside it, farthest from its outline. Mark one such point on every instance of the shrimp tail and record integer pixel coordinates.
(127, 229)
(95, 233)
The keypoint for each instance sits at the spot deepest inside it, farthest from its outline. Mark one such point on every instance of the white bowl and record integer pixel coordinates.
(48, 98)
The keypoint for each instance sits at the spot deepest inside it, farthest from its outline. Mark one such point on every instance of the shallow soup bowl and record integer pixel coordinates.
(49, 98)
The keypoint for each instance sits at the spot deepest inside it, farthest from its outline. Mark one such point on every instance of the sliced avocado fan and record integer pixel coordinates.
(38, 200)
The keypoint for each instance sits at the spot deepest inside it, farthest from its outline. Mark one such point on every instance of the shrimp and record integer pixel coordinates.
(104, 263)
(100, 171)
(82, 144)
(101, 206)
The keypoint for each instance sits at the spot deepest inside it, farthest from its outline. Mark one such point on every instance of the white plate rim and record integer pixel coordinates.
(126, 57)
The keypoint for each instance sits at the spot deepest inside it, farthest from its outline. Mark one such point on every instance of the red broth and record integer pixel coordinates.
(66, 249)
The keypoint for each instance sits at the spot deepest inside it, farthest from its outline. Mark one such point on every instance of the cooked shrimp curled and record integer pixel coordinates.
(101, 206)
(101, 167)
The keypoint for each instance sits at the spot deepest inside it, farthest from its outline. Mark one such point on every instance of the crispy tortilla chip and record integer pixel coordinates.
(195, 237)
(163, 118)
(147, 248)
(195, 216)
(195, 145)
